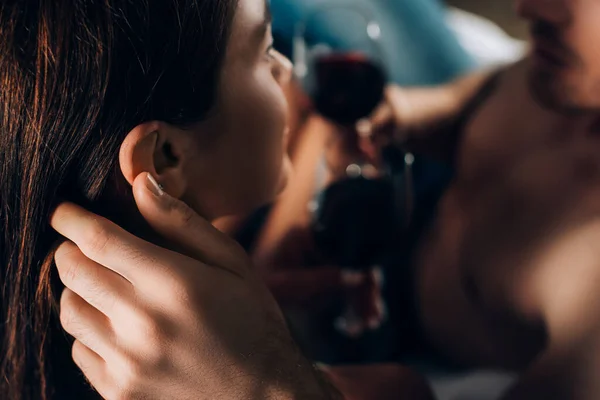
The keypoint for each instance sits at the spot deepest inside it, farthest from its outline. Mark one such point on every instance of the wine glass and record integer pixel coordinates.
(344, 76)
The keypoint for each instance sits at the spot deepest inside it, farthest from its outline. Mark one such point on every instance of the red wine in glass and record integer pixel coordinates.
(345, 81)
(346, 87)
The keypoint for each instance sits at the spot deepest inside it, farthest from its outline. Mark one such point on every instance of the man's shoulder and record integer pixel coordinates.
(509, 116)
(510, 93)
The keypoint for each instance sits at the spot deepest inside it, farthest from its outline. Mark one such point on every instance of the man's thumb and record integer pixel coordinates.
(181, 226)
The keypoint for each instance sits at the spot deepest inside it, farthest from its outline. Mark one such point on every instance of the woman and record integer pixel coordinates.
(92, 94)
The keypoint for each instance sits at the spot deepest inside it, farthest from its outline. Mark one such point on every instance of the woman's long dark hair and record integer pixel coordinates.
(75, 77)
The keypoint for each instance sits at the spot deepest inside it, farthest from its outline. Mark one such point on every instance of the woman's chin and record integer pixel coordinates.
(257, 198)
(286, 171)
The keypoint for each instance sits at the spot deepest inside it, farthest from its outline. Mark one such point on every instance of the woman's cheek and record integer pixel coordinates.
(271, 115)
(286, 173)
(274, 95)
(281, 109)
(278, 111)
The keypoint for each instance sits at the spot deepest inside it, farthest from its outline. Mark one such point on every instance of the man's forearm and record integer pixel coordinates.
(434, 117)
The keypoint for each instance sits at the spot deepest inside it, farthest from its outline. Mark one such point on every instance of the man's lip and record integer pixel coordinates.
(549, 53)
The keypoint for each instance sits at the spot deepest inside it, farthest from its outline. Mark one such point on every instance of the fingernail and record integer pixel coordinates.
(153, 186)
(352, 278)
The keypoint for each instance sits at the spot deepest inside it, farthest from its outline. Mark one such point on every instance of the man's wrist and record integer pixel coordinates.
(288, 375)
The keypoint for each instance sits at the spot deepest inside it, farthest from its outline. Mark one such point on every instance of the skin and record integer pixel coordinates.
(194, 323)
(551, 170)
(517, 224)
(508, 273)
(245, 134)
(168, 325)
(230, 163)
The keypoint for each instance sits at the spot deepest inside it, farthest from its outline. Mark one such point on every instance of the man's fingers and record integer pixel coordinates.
(388, 112)
(382, 116)
(99, 286)
(86, 324)
(389, 120)
(93, 367)
(185, 229)
(384, 125)
(106, 243)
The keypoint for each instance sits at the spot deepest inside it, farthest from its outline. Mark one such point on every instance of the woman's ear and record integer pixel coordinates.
(156, 148)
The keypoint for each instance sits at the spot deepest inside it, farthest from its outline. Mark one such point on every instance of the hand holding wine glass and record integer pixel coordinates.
(346, 82)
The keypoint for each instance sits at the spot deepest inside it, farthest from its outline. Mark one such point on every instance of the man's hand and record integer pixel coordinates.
(156, 324)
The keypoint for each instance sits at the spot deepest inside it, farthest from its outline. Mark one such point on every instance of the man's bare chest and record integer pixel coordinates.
(503, 132)
(520, 172)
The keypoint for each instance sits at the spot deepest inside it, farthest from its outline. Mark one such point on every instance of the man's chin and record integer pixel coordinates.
(541, 91)
(546, 91)
(554, 91)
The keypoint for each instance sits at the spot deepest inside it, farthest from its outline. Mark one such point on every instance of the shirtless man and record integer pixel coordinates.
(508, 275)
